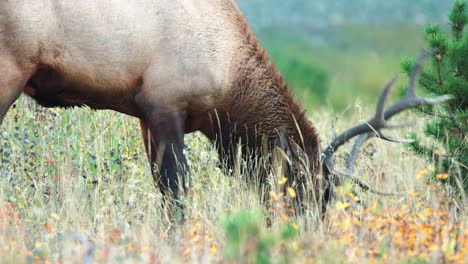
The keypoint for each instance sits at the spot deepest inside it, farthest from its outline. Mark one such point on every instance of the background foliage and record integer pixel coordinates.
(446, 124)
(354, 46)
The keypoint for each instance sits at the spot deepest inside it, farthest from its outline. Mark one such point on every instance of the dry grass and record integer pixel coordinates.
(76, 186)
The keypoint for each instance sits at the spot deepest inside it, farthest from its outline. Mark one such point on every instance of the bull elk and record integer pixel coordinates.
(178, 66)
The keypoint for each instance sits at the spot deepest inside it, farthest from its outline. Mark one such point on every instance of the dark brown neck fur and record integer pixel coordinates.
(259, 103)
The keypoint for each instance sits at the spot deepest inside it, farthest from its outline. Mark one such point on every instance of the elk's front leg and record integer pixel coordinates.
(150, 148)
(164, 144)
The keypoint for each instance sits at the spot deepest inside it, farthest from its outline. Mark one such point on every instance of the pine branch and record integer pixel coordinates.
(420, 109)
(452, 118)
(448, 123)
(458, 19)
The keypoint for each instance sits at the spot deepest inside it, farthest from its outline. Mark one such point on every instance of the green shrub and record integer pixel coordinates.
(248, 242)
(447, 124)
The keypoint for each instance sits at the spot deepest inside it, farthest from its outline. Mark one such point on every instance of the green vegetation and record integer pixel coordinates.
(352, 62)
(447, 123)
(75, 185)
(247, 241)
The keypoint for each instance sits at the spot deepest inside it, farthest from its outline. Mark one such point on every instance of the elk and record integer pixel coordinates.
(178, 66)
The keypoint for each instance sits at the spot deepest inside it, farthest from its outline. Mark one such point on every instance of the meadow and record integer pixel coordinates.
(75, 186)
(333, 66)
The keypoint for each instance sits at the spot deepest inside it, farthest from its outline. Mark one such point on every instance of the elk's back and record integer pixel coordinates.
(109, 47)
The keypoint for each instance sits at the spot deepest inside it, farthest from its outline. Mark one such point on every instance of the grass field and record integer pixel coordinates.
(357, 60)
(75, 186)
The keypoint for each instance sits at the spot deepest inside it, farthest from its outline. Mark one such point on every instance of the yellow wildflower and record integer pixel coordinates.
(442, 176)
(274, 196)
(283, 181)
(55, 216)
(295, 246)
(291, 192)
(341, 205)
(214, 248)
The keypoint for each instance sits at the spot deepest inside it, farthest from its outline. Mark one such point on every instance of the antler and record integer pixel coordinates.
(374, 126)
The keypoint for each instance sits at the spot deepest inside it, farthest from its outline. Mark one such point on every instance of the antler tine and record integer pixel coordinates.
(350, 162)
(408, 101)
(379, 110)
(411, 99)
(373, 125)
(392, 139)
(400, 125)
(414, 77)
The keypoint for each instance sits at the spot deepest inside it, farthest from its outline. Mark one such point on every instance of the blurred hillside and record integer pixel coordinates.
(320, 13)
(333, 52)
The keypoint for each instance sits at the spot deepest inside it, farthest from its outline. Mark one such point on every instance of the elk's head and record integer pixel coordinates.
(308, 162)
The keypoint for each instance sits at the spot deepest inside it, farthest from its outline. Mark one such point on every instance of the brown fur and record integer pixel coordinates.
(259, 103)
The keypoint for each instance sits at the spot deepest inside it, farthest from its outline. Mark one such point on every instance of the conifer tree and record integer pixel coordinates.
(446, 124)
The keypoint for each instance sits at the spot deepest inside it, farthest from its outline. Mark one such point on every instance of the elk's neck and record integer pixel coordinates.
(258, 104)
